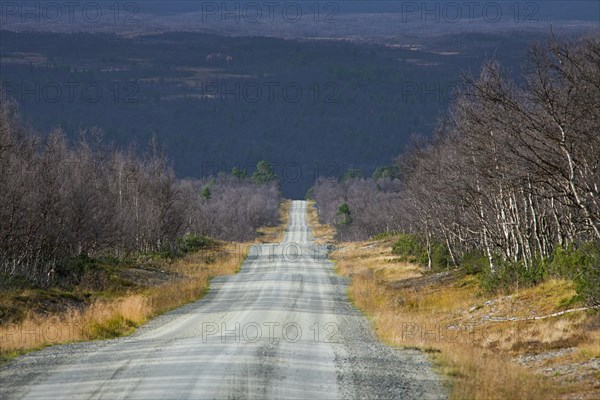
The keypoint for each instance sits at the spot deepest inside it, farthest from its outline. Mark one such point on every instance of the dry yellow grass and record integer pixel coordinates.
(322, 233)
(274, 234)
(488, 347)
(107, 318)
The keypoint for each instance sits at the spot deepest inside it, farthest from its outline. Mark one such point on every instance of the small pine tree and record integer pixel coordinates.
(386, 172)
(310, 193)
(344, 215)
(239, 173)
(351, 173)
(264, 173)
(206, 194)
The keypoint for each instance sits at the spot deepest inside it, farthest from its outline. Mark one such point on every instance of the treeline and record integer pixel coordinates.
(236, 116)
(359, 208)
(231, 207)
(511, 179)
(59, 201)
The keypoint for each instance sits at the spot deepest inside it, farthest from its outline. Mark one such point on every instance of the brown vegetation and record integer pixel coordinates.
(62, 203)
(489, 347)
(106, 314)
(322, 233)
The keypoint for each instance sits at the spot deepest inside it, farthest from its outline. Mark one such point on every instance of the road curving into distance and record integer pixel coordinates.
(281, 328)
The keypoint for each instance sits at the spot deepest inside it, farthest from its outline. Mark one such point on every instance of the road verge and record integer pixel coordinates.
(531, 344)
(52, 316)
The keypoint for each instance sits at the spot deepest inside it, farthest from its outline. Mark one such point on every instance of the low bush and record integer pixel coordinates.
(14, 282)
(186, 244)
(413, 248)
(409, 248)
(69, 271)
(510, 274)
(384, 235)
(474, 262)
(190, 243)
(440, 256)
(582, 264)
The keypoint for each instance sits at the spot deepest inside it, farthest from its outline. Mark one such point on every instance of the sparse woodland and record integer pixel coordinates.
(61, 201)
(510, 184)
(373, 206)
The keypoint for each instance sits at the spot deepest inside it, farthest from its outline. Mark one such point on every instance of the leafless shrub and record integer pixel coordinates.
(60, 202)
(514, 171)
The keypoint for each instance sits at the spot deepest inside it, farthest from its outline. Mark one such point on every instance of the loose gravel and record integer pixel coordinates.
(281, 328)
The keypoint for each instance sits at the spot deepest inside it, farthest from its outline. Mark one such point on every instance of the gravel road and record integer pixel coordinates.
(281, 328)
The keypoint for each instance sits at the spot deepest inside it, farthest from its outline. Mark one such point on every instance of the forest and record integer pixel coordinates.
(509, 185)
(316, 106)
(64, 203)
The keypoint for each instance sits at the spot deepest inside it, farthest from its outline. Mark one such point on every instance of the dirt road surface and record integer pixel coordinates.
(282, 328)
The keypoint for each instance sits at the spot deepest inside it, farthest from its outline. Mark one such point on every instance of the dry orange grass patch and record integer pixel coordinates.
(113, 317)
(322, 233)
(274, 234)
(490, 347)
(108, 318)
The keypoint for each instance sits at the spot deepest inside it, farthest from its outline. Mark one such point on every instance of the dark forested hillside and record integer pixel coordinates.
(313, 108)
